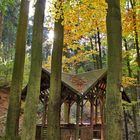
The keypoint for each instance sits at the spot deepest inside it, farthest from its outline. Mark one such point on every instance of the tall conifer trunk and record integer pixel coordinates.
(17, 77)
(55, 87)
(113, 95)
(33, 90)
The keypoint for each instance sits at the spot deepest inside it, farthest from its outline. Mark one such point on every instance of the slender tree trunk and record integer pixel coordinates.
(17, 77)
(136, 37)
(33, 90)
(113, 95)
(134, 112)
(134, 97)
(138, 56)
(135, 122)
(97, 57)
(55, 82)
(128, 61)
(93, 56)
(130, 75)
(1, 26)
(125, 123)
(100, 51)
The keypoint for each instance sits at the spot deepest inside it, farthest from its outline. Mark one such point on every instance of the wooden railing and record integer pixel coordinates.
(68, 132)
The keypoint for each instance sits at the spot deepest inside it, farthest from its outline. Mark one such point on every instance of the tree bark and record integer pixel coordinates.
(130, 75)
(97, 57)
(125, 124)
(135, 122)
(55, 82)
(136, 38)
(1, 26)
(113, 95)
(93, 56)
(17, 76)
(33, 90)
(100, 51)
(128, 61)
(134, 112)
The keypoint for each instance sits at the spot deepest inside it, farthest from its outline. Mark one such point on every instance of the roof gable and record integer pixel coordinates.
(81, 83)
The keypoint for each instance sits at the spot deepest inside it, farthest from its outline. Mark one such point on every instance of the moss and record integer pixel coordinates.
(113, 111)
(17, 77)
(29, 122)
(55, 83)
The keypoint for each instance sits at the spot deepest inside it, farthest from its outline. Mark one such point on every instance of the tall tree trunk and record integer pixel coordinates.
(33, 90)
(55, 83)
(134, 110)
(127, 59)
(1, 26)
(92, 48)
(136, 37)
(97, 57)
(134, 97)
(100, 51)
(125, 124)
(113, 95)
(17, 77)
(130, 75)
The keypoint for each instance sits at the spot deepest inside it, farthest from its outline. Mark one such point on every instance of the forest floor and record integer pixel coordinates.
(4, 96)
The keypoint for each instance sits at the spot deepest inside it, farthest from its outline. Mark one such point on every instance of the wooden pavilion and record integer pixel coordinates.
(80, 89)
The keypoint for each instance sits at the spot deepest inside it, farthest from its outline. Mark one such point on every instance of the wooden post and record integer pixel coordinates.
(102, 125)
(82, 112)
(77, 119)
(102, 119)
(91, 116)
(44, 116)
(67, 107)
(96, 111)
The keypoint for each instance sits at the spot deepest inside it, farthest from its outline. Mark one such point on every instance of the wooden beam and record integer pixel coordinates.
(67, 112)
(44, 115)
(102, 120)
(91, 116)
(82, 106)
(77, 119)
(96, 111)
